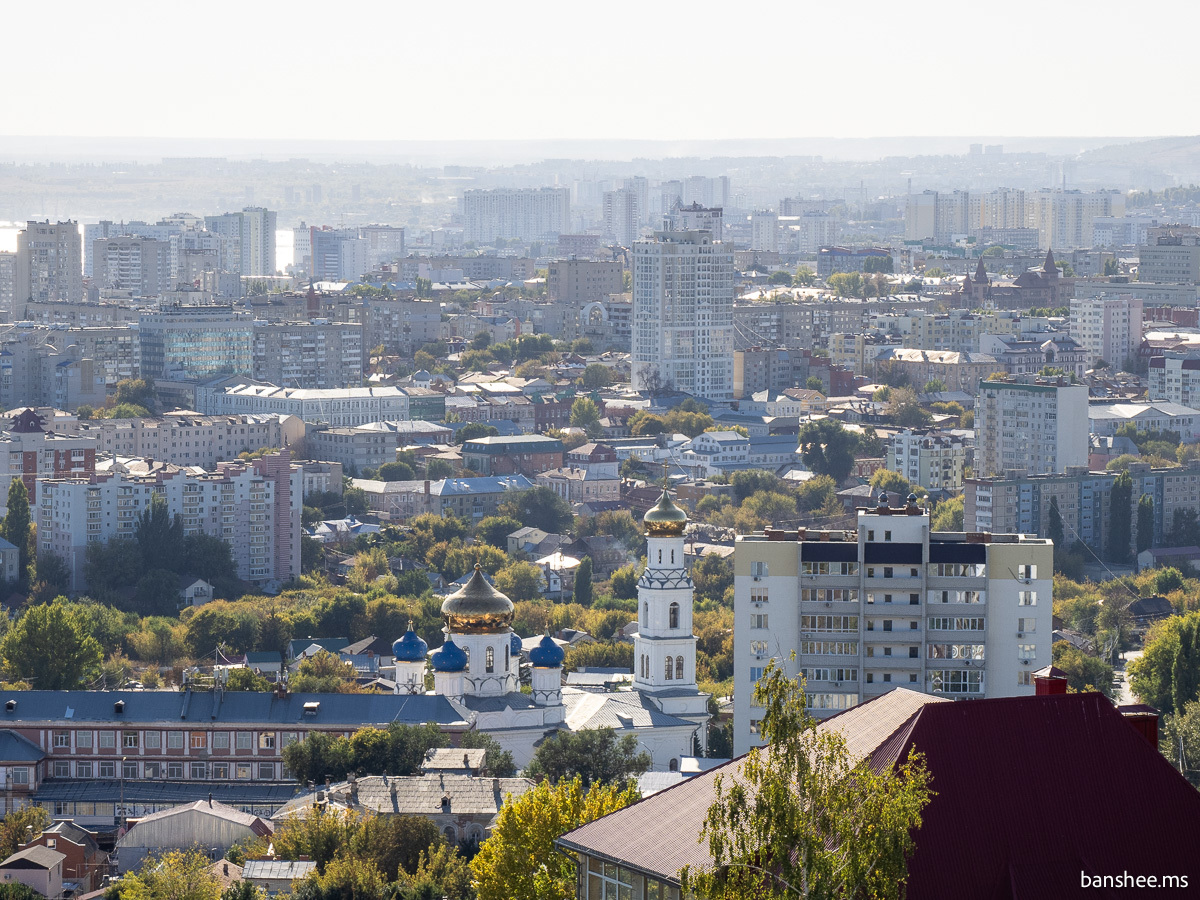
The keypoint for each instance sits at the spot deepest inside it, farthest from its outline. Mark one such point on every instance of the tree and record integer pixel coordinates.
(497, 762)
(1145, 523)
(828, 449)
(712, 576)
(1158, 676)
(934, 386)
(50, 647)
(538, 507)
(596, 376)
(599, 654)
(585, 414)
(583, 582)
(1054, 526)
(18, 824)
(243, 679)
(805, 276)
(396, 471)
(624, 582)
(175, 875)
(110, 565)
(519, 859)
(892, 482)
(160, 535)
(803, 816)
(594, 755)
(356, 501)
(1084, 672)
(1181, 741)
(813, 383)
(520, 581)
(473, 430)
(1119, 518)
(51, 577)
(136, 392)
(324, 673)
(948, 516)
(644, 424)
(16, 522)
(437, 469)
(905, 409)
(495, 530)
(157, 593)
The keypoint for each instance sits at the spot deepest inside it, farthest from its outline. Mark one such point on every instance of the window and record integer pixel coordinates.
(153, 739)
(266, 771)
(174, 770)
(830, 648)
(956, 651)
(679, 668)
(758, 594)
(887, 624)
(174, 740)
(673, 614)
(888, 572)
(129, 769)
(289, 737)
(670, 673)
(1028, 626)
(758, 620)
(914, 599)
(870, 534)
(107, 740)
(129, 740)
(197, 771)
(1027, 598)
(62, 768)
(955, 681)
(220, 770)
(912, 678)
(220, 740)
(62, 739)
(758, 648)
(108, 769)
(887, 535)
(842, 624)
(913, 625)
(83, 739)
(243, 771)
(1027, 572)
(489, 660)
(887, 651)
(153, 770)
(1024, 677)
(758, 569)
(244, 740)
(914, 652)
(887, 677)
(198, 740)
(20, 775)
(607, 881)
(1026, 651)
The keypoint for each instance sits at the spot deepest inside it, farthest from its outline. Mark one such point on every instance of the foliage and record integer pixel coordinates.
(1145, 522)
(175, 875)
(244, 679)
(396, 471)
(804, 816)
(712, 576)
(1181, 740)
(395, 750)
(1119, 518)
(50, 576)
(437, 469)
(473, 430)
(50, 647)
(356, 501)
(828, 449)
(948, 516)
(495, 530)
(1084, 672)
(624, 581)
(497, 762)
(618, 523)
(538, 507)
(520, 860)
(16, 826)
(583, 582)
(599, 655)
(585, 414)
(520, 581)
(325, 673)
(892, 482)
(594, 755)
(596, 376)
(1169, 663)
(17, 522)
(905, 410)
(159, 534)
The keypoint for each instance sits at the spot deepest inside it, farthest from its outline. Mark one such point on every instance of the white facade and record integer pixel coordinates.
(525, 213)
(1108, 418)
(764, 231)
(1109, 328)
(1038, 428)
(332, 406)
(1175, 376)
(683, 315)
(933, 460)
(622, 216)
(888, 606)
(189, 440)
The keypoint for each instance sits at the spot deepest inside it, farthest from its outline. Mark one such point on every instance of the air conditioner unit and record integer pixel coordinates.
(1020, 634)
(757, 578)
(1024, 662)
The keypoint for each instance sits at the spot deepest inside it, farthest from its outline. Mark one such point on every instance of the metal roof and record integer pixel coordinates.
(15, 748)
(277, 869)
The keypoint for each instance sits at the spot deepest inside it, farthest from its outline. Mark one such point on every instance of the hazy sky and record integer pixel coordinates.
(439, 69)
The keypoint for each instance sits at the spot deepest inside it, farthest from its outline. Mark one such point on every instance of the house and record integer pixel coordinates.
(84, 863)
(22, 768)
(1158, 557)
(10, 562)
(714, 452)
(525, 540)
(194, 591)
(206, 823)
(1045, 822)
(275, 876)
(37, 867)
(299, 648)
(1147, 610)
(606, 553)
(558, 573)
(265, 662)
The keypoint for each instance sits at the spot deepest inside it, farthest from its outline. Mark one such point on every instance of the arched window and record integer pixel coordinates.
(674, 615)
(489, 664)
(674, 764)
(506, 657)
(450, 833)
(672, 557)
(679, 668)
(660, 556)
(669, 671)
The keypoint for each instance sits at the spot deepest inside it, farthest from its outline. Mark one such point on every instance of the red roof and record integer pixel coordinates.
(1029, 793)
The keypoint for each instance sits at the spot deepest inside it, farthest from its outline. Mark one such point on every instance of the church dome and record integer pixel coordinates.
(477, 608)
(410, 647)
(449, 657)
(665, 519)
(514, 645)
(547, 654)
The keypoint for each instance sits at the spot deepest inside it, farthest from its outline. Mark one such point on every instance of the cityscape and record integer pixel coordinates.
(610, 488)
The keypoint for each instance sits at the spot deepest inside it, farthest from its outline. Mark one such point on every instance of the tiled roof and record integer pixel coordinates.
(454, 758)
(421, 795)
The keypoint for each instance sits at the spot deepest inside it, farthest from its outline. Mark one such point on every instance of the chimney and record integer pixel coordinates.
(1049, 682)
(495, 785)
(225, 869)
(1144, 720)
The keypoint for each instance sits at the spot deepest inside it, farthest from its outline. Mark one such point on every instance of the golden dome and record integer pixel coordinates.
(665, 519)
(477, 608)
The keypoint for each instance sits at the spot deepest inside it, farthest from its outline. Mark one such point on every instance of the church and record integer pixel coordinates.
(477, 666)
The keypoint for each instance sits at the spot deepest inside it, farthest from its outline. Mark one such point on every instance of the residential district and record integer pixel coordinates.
(479, 553)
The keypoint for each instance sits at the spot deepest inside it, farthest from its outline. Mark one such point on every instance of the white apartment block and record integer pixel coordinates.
(131, 266)
(248, 246)
(162, 231)
(187, 439)
(330, 406)
(683, 314)
(1109, 328)
(808, 233)
(890, 605)
(8, 284)
(622, 216)
(316, 354)
(764, 231)
(49, 264)
(529, 214)
(932, 459)
(1036, 428)
(1175, 376)
(255, 508)
(385, 244)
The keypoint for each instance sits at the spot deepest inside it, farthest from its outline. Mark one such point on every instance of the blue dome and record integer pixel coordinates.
(547, 654)
(449, 657)
(514, 644)
(410, 647)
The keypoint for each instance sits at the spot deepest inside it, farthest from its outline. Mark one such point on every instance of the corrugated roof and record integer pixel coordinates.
(434, 794)
(159, 793)
(277, 869)
(212, 808)
(1029, 791)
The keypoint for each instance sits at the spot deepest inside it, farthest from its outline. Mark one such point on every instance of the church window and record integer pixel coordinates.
(672, 557)
(489, 660)
(660, 556)
(674, 615)
(505, 659)
(670, 671)
(679, 668)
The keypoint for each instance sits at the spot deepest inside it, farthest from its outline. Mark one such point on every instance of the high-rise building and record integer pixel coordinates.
(683, 314)
(1109, 328)
(764, 231)
(248, 240)
(8, 284)
(194, 342)
(888, 605)
(385, 244)
(1170, 255)
(49, 264)
(1175, 376)
(134, 266)
(318, 354)
(622, 216)
(583, 280)
(527, 214)
(1036, 426)
(161, 231)
(696, 218)
(337, 254)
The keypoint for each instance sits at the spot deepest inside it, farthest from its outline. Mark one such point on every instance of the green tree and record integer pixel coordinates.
(594, 755)
(243, 679)
(473, 430)
(783, 276)
(893, 482)
(136, 392)
(804, 816)
(599, 654)
(624, 582)
(160, 535)
(16, 522)
(596, 376)
(948, 516)
(585, 414)
(905, 410)
(156, 594)
(1181, 741)
(356, 501)
(712, 575)
(1054, 526)
(934, 386)
(805, 276)
(1156, 675)
(495, 530)
(396, 471)
(828, 449)
(437, 469)
(1145, 523)
(520, 581)
(644, 424)
(51, 577)
(1120, 511)
(813, 383)
(50, 647)
(18, 824)
(1084, 672)
(538, 507)
(519, 859)
(112, 564)
(174, 875)
(1185, 666)
(583, 582)
(324, 673)
(497, 762)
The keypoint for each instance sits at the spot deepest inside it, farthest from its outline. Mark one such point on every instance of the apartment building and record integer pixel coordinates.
(247, 240)
(470, 499)
(889, 605)
(115, 350)
(354, 449)
(28, 451)
(622, 216)
(1038, 426)
(48, 265)
(958, 371)
(527, 454)
(767, 325)
(808, 233)
(316, 354)
(33, 372)
(8, 284)
(758, 369)
(385, 244)
(683, 315)
(932, 459)
(583, 280)
(528, 214)
(192, 342)
(401, 326)
(1170, 255)
(187, 439)
(831, 260)
(254, 507)
(1109, 328)
(858, 352)
(131, 266)
(1175, 377)
(328, 406)
(337, 254)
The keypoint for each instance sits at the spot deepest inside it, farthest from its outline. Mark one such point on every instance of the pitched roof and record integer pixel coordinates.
(17, 748)
(212, 808)
(277, 869)
(35, 857)
(421, 795)
(1025, 797)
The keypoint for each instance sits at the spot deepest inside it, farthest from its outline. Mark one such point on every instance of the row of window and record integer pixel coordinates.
(196, 771)
(759, 569)
(673, 670)
(152, 740)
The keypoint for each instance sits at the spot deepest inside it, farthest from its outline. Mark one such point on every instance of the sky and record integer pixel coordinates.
(648, 70)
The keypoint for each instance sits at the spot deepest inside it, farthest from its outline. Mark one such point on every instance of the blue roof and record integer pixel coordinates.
(15, 748)
(232, 707)
(253, 793)
(449, 657)
(5, 545)
(410, 647)
(547, 654)
(262, 656)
